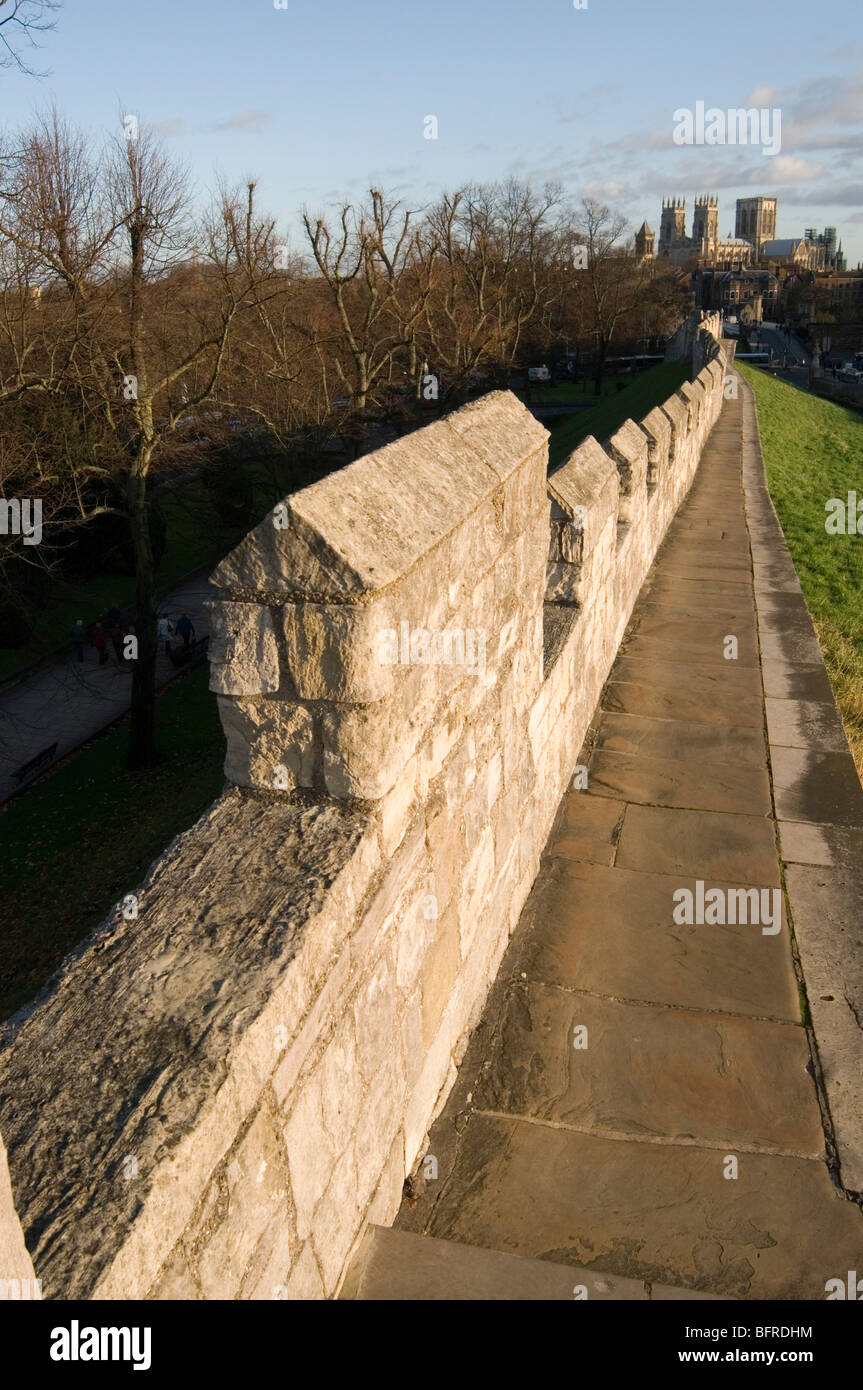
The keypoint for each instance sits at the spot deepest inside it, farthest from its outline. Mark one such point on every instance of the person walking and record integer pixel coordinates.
(165, 632)
(79, 637)
(186, 630)
(99, 641)
(115, 632)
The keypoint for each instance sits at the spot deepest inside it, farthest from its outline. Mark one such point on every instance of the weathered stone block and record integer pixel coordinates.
(439, 971)
(337, 1221)
(339, 651)
(244, 659)
(376, 1019)
(255, 1204)
(628, 449)
(311, 1153)
(657, 427)
(379, 1122)
(270, 743)
(677, 412)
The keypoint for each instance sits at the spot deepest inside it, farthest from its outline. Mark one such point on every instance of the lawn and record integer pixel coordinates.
(813, 450)
(195, 539)
(83, 837)
(645, 390)
(568, 392)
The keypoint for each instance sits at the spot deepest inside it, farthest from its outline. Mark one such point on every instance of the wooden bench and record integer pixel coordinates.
(37, 764)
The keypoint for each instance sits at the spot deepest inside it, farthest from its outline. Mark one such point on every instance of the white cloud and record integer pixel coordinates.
(244, 121)
(173, 126)
(761, 96)
(786, 168)
(603, 189)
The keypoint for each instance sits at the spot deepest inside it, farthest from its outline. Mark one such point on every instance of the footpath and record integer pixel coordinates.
(664, 1096)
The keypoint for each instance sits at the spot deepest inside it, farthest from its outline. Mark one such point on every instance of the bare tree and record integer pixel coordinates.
(137, 302)
(612, 283)
(495, 246)
(364, 262)
(20, 21)
(180, 289)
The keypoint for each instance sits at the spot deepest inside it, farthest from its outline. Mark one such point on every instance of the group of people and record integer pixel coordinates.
(115, 630)
(184, 628)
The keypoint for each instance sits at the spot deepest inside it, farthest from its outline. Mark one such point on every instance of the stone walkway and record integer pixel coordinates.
(684, 1145)
(71, 701)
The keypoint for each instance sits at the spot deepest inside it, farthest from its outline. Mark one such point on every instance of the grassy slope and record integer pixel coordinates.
(195, 540)
(646, 390)
(813, 451)
(567, 392)
(83, 837)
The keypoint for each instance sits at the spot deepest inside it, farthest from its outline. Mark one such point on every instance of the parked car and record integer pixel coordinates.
(538, 374)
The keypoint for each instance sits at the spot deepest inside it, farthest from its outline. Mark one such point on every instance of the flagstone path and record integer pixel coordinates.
(655, 1108)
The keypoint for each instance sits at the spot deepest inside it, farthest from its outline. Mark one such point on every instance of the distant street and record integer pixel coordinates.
(70, 702)
(782, 344)
(768, 337)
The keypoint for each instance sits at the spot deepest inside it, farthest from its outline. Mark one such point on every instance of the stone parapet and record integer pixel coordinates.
(221, 1089)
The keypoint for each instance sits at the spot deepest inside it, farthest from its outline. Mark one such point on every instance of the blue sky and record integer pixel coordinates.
(328, 96)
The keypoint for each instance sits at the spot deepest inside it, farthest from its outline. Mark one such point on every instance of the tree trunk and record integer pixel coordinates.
(599, 369)
(142, 732)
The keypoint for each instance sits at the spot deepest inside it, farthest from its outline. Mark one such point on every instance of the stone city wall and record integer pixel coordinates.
(216, 1095)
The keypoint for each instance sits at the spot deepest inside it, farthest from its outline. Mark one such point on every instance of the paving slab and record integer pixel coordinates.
(704, 585)
(705, 637)
(404, 1267)
(812, 724)
(796, 682)
(641, 1069)
(794, 646)
(706, 844)
(681, 739)
(822, 845)
(666, 602)
(588, 828)
(707, 679)
(663, 781)
(684, 701)
(827, 912)
(609, 930)
(815, 786)
(648, 1210)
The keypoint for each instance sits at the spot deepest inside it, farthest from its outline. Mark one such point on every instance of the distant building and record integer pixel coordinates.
(705, 224)
(756, 220)
(644, 239)
(748, 294)
(733, 252)
(672, 226)
(705, 246)
(830, 255)
(790, 253)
